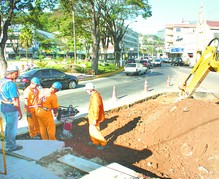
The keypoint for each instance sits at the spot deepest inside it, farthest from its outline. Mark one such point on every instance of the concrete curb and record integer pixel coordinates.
(90, 77)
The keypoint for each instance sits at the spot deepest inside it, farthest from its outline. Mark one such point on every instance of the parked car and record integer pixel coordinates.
(177, 62)
(47, 77)
(157, 62)
(135, 68)
(146, 63)
(166, 60)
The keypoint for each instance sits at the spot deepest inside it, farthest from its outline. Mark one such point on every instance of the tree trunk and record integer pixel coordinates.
(117, 54)
(26, 54)
(2, 56)
(95, 57)
(95, 32)
(3, 63)
(4, 34)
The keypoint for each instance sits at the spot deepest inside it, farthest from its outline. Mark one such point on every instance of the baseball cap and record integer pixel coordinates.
(89, 86)
(12, 68)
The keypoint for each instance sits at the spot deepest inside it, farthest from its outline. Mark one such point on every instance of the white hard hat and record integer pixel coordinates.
(89, 86)
(12, 68)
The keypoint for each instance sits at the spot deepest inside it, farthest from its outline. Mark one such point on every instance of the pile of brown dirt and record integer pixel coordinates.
(158, 138)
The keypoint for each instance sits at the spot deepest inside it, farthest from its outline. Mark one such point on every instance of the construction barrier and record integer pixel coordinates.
(3, 146)
(168, 82)
(146, 86)
(114, 95)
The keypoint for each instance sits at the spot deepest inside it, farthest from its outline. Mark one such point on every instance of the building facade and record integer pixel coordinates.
(187, 40)
(180, 40)
(129, 46)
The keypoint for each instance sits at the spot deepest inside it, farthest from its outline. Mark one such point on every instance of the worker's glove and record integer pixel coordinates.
(29, 114)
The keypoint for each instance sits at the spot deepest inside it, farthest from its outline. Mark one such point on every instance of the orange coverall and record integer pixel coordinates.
(31, 100)
(96, 115)
(48, 101)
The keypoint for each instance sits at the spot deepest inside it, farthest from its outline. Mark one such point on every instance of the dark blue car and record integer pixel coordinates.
(47, 77)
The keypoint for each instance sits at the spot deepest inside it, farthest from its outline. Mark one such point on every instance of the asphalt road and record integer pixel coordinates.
(124, 85)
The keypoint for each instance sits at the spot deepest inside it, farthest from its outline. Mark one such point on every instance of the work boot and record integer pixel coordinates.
(102, 147)
(36, 137)
(90, 144)
(18, 147)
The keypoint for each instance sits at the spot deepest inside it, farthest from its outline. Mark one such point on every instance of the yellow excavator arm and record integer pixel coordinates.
(209, 61)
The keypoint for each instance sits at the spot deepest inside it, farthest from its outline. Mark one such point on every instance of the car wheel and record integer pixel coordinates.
(72, 85)
(127, 74)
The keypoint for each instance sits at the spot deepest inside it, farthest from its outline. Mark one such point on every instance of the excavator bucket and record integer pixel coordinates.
(208, 62)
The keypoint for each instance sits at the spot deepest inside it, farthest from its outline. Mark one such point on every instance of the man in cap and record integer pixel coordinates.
(10, 107)
(31, 98)
(48, 102)
(95, 117)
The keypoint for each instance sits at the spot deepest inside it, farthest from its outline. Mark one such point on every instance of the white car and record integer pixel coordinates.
(135, 68)
(157, 62)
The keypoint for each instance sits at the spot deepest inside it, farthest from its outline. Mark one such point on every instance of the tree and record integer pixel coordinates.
(26, 38)
(12, 9)
(106, 19)
(60, 22)
(115, 13)
(151, 45)
(89, 13)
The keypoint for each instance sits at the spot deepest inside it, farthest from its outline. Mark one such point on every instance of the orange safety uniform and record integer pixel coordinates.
(47, 102)
(96, 116)
(31, 100)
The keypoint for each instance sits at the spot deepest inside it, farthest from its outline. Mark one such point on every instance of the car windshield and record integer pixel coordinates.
(131, 65)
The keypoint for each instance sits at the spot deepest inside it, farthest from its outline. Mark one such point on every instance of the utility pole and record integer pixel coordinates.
(74, 31)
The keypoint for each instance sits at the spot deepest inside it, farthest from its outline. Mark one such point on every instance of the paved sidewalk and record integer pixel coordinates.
(26, 165)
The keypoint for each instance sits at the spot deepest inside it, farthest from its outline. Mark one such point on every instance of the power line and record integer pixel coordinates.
(213, 13)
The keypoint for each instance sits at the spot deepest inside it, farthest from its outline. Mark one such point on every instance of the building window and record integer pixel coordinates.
(178, 29)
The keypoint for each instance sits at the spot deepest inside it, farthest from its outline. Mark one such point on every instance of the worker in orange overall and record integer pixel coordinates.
(95, 117)
(31, 94)
(48, 105)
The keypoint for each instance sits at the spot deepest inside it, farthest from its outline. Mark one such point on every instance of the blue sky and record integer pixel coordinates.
(173, 12)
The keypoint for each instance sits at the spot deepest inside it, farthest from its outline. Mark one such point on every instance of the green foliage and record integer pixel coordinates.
(61, 21)
(67, 65)
(17, 57)
(2, 137)
(107, 68)
(58, 59)
(26, 38)
(20, 12)
(41, 63)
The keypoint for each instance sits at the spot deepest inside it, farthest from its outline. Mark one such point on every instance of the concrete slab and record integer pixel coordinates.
(19, 169)
(113, 170)
(97, 171)
(79, 163)
(36, 149)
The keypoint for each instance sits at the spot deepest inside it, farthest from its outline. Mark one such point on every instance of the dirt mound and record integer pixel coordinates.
(184, 140)
(159, 137)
